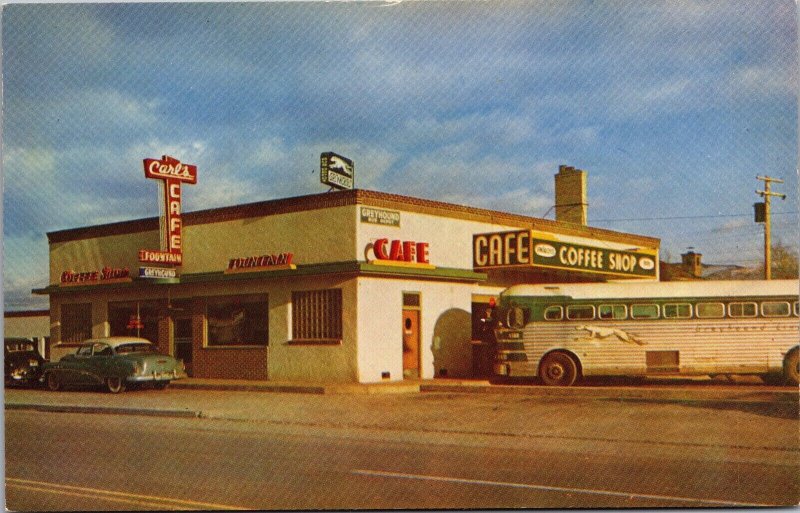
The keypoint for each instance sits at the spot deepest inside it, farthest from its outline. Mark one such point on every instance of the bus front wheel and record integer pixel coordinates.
(558, 369)
(791, 368)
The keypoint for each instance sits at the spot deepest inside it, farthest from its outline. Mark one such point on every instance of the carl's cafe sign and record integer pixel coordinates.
(528, 248)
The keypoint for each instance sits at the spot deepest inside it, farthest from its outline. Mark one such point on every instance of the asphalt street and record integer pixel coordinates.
(411, 451)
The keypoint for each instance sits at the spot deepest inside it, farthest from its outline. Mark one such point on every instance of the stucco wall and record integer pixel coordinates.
(445, 327)
(314, 236)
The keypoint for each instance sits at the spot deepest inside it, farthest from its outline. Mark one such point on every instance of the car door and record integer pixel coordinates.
(101, 362)
(74, 368)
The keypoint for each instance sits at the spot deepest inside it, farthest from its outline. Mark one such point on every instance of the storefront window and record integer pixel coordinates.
(317, 315)
(122, 318)
(238, 321)
(76, 322)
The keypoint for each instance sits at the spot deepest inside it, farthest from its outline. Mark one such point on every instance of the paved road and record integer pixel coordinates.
(286, 451)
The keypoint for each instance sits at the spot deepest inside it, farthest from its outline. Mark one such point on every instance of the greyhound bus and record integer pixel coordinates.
(564, 332)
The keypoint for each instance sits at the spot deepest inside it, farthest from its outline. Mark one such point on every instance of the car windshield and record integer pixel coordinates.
(18, 347)
(136, 347)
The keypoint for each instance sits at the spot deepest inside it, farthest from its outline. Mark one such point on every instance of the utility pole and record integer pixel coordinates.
(767, 194)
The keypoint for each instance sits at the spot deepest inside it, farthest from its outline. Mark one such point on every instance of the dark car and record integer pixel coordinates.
(23, 363)
(114, 363)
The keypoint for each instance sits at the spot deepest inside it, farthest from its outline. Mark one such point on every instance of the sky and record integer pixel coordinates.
(673, 109)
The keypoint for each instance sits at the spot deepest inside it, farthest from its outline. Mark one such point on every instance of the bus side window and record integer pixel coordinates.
(612, 312)
(710, 310)
(644, 311)
(796, 308)
(742, 309)
(580, 312)
(775, 309)
(677, 311)
(553, 313)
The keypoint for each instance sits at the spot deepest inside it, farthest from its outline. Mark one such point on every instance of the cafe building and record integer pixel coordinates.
(349, 285)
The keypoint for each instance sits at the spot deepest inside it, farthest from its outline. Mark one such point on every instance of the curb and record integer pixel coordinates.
(625, 394)
(55, 408)
(334, 389)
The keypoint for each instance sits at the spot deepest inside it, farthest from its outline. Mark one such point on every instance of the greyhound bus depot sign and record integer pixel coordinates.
(170, 173)
(528, 248)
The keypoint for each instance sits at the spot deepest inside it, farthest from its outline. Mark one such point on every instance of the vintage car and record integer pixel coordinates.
(114, 363)
(22, 362)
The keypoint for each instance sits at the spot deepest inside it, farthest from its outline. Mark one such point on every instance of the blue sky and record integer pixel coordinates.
(672, 107)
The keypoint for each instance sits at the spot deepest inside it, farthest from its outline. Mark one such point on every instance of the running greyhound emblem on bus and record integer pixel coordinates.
(596, 332)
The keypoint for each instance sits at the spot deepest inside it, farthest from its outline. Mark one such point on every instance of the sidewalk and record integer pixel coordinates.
(179, 401)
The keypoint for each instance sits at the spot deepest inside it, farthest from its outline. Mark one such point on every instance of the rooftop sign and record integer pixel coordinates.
(336, 171)
(528, 248)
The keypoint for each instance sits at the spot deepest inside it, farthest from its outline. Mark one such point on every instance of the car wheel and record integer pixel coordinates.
(791, 368)
(115, 385)
(558, 369)
(53, 382)
(161, 385)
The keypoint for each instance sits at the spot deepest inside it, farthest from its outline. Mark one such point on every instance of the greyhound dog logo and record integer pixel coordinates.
(603, 333)
(340, 166)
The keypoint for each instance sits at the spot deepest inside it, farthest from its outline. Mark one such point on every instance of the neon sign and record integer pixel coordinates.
(170, 173)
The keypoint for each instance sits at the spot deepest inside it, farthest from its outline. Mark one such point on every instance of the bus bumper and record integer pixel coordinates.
(501, 369)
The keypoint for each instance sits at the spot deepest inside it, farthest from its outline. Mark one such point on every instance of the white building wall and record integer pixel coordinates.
(445, 328)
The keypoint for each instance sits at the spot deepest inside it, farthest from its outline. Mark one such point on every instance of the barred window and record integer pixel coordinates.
(76, 322)
(317, 315)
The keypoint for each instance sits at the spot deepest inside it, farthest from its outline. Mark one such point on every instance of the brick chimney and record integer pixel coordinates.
(691, 263)
(571, 202)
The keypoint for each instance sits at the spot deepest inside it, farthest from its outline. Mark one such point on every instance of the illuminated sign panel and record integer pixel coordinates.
(170, 173)
(526, 248)
(336, 171)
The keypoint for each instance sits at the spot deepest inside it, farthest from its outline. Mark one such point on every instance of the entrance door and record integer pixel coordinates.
(182, 337)
(411, 344)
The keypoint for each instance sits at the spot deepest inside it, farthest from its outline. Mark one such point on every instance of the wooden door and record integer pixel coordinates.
(411, 344)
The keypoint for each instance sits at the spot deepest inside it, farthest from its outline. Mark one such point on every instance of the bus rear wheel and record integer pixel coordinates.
(791, 368)
(558, 369)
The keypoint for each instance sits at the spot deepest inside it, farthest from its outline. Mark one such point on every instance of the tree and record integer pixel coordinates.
(784, 261)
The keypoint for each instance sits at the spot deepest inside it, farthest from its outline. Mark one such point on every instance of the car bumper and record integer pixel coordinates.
(25, 375)
(156, 377)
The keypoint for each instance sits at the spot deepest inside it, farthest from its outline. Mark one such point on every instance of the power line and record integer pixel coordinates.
(685, 217)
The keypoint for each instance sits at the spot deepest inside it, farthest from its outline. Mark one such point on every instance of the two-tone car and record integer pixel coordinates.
(22, 362)
(115, 363)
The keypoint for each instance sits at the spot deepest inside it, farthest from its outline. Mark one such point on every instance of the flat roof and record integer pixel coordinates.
(352, 197)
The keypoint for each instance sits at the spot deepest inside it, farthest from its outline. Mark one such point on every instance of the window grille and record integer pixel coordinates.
(317, 315)
(76, 322)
